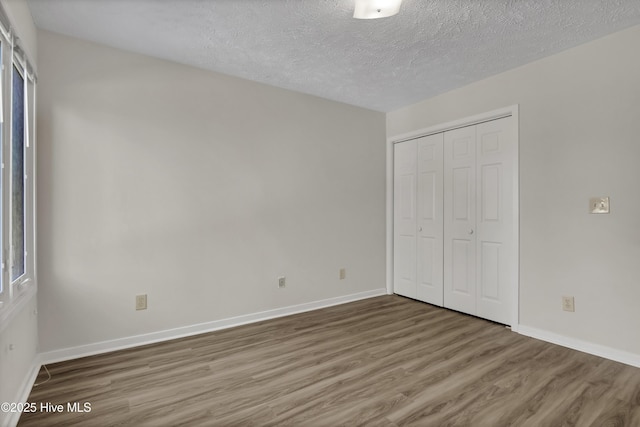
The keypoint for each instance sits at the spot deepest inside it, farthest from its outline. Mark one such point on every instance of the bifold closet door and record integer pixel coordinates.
(497, 248)
(418, 222)
(480, 253)
(430, 221)
(460, 219)
(404, 218)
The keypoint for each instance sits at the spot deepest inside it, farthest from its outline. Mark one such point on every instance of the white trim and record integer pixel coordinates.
(185, 331)
(455, 124)
(389, 216)
(512, 111)
(515, 288)
(621, 356)
(12, 307)
(25, 390)
(34, 190)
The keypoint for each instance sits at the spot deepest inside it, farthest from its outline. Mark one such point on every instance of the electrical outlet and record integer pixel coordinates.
(282, 282)
(141, 302)
(343, 273)
(568, 304)
(599, 205)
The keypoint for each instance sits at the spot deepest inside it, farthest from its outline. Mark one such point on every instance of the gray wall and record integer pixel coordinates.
(198, 189)
(579, 137)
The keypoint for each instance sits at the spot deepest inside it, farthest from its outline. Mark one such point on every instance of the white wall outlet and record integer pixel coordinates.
(343, 273)
(141, 302)
(568, 304)
(599, 205)
(282, 282)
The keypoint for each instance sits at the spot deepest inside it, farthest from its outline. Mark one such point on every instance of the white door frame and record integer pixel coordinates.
(467, 121)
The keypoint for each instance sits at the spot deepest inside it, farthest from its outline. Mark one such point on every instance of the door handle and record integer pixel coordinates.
(419, 228)
(471, 231)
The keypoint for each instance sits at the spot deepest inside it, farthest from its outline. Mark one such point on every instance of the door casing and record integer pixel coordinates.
(455, 124)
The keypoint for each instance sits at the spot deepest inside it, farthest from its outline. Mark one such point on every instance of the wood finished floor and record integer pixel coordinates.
(386, 361)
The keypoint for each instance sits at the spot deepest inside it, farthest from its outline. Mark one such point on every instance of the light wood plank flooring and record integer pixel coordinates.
(386, 361)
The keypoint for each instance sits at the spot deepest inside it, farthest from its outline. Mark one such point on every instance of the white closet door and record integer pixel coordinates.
(430, 222)
(404, 219)
(459, 219)
(497, 250)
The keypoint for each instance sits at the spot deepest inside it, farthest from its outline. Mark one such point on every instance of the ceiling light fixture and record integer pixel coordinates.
(372, 9)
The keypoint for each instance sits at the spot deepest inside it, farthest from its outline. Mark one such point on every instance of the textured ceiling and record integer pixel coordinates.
(316, 47)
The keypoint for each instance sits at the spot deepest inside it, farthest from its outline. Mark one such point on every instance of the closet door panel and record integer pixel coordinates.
(404, 219)
(430, 220)
(459, 219)
(495, 223)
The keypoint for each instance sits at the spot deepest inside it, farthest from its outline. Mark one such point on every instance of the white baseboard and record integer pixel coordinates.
(25, 391)
(154, 337)
(625, 357)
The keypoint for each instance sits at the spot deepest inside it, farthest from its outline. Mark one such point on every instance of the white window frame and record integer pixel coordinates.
(5, 100)
(25, 277)
(15, 294)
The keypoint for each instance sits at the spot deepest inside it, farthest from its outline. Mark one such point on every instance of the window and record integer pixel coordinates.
(17, 252)
(17, 144)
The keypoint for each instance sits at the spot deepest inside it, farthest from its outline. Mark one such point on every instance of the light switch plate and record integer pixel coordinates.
(599, 205)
